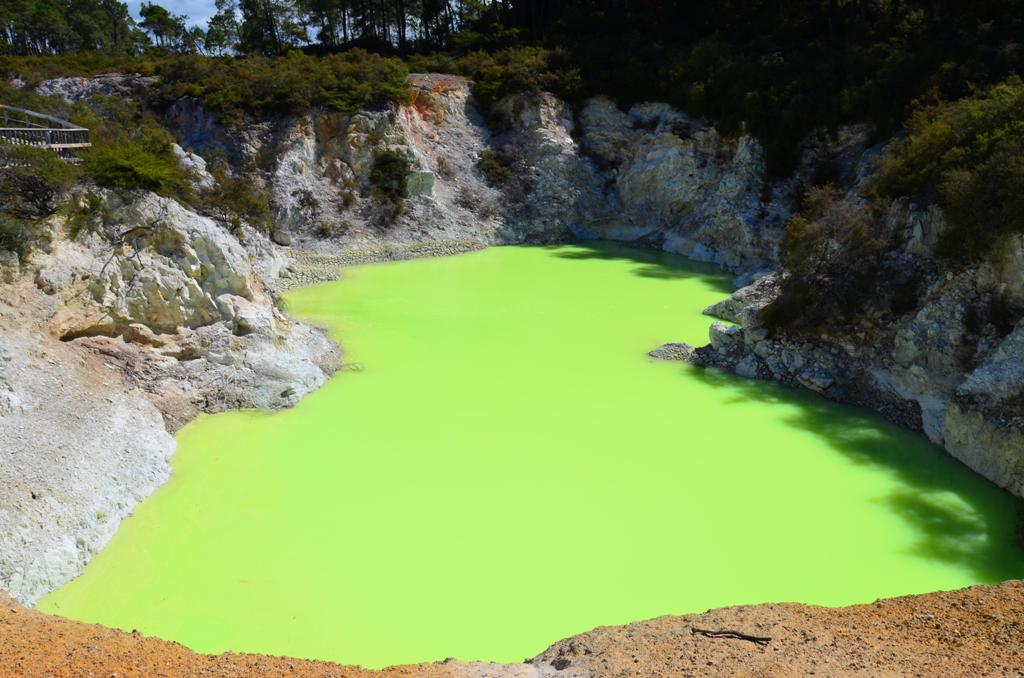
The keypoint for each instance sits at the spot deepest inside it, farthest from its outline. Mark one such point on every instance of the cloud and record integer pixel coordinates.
(197, 11)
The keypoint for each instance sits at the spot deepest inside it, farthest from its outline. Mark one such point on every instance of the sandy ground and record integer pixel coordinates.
(972, 632)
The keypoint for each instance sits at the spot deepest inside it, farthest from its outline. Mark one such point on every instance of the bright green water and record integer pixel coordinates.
(509, 468)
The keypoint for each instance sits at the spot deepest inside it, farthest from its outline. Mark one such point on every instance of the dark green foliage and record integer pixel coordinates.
(130, 150)
(387, 177)
(31, 185)
(507, 71)
(388, 174)
(232, 88)
(832, 256)
(14, 235)
(38, 163)
(970, 155)
(25, 196)
(131, 164)
(235, 198)
(781, 69)
(495, 163)
(34, 69)
(775, 69)
(61, 26)
(168, 30)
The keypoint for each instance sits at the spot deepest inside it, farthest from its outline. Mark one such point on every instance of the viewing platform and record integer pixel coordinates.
(20, 127)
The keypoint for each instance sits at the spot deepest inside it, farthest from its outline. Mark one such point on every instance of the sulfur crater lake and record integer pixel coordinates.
(508, 467)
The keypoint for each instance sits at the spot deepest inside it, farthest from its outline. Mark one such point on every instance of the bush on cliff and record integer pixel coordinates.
(233, 88)
(31, 183)
(390, 168)
(506, 71)
(235, 197)
(969, 155)
(388, 175)
(131, 150)
(494, 163)
(832, 257)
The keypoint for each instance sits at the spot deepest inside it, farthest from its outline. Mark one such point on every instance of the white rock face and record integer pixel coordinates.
(169, 321)
(650, 174)
(994, 451)
(1001, 375)
(320, 185)
(562, 186)
(78, 88)
(195, 165)
(80, 449)
(166, 274)
(673, 177)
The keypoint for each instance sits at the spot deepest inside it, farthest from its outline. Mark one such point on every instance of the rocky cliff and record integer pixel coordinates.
(135, 312)
(947, 359)
(116, 332)
(649, 174)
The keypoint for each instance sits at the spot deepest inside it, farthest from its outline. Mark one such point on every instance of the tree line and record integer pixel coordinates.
(774, 68)
(270, 27)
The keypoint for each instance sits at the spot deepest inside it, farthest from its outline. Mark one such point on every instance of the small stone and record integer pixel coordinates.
(282, 237)
(815, 379)
(674, 351)
(748, 367)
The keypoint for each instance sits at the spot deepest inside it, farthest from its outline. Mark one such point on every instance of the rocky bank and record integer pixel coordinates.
(113, 338)
(136, 312)
(949, 364)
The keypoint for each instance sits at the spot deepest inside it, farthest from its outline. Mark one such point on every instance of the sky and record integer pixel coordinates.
(197, 11)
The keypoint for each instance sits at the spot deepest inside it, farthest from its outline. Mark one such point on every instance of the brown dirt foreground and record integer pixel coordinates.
(972, 632)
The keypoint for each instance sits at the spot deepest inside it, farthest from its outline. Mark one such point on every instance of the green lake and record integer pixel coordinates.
(507, 467)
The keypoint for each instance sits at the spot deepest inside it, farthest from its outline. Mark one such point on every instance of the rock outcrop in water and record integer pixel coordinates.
(950, 365)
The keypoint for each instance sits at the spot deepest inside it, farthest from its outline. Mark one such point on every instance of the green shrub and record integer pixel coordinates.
(968, 154)
(136, 159)
(14, 235)
(494, 164)
(32, 180)
(388, 174)
(130, 166)
(507, 71)
(387, 177)
(35, 69)
(234, 199)
(832, 257)
(233, 88)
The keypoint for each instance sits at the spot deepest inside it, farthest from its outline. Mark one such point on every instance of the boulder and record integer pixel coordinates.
(725, 338)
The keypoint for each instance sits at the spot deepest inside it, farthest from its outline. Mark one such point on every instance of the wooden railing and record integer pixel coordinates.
(20, 127)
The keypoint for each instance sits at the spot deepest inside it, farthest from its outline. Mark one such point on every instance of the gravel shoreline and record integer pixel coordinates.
(975, 631)
(314, 266)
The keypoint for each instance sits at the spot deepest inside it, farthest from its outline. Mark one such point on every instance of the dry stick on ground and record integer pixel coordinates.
(757, 640)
